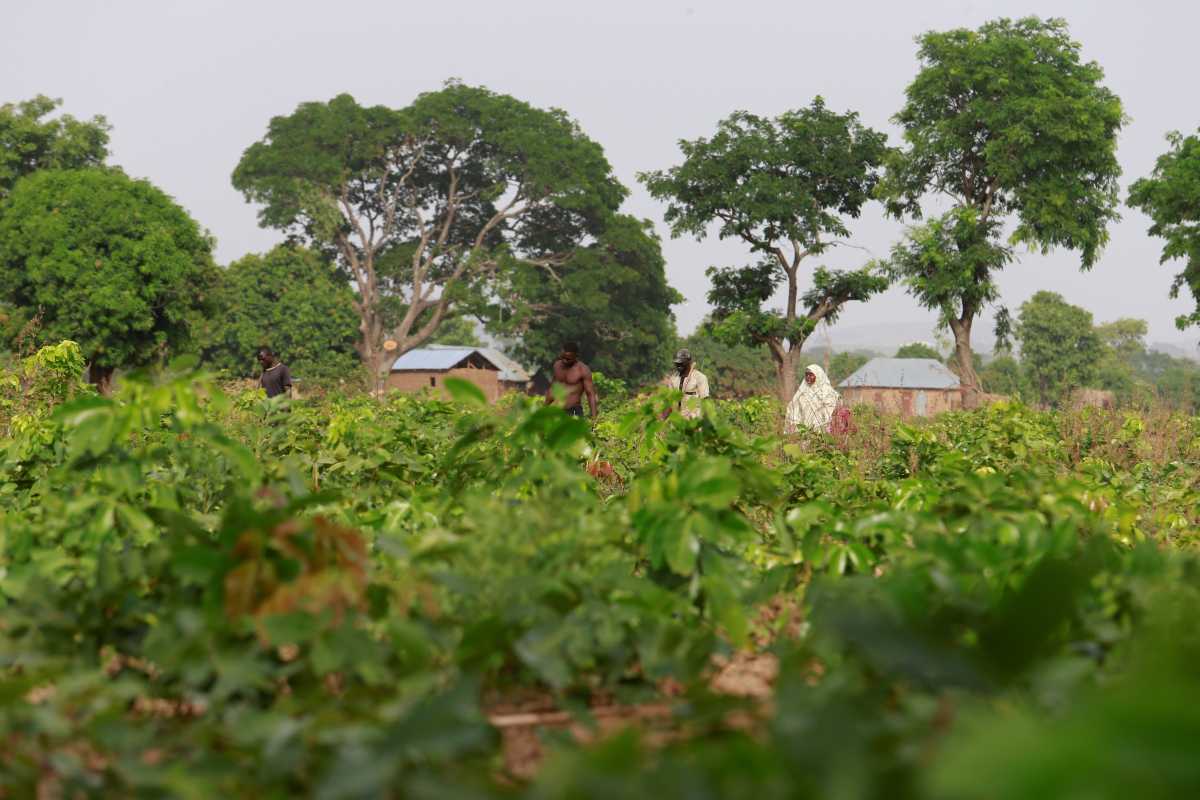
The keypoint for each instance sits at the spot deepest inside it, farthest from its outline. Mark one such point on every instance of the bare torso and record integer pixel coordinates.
(576, 380)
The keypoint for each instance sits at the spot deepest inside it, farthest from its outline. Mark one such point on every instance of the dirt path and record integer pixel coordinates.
(521, 720)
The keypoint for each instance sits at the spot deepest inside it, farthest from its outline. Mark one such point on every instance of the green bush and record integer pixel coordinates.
(210, 594)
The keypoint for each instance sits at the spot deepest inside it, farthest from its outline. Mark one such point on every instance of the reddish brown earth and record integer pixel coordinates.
(523, 717)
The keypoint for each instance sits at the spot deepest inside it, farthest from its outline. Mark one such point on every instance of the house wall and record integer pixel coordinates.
(904, 402)
(418, 380)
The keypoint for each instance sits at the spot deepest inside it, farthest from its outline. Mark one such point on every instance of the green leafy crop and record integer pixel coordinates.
(204, 593)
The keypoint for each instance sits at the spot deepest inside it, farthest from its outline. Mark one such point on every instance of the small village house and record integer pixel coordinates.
(909, 387)
(428, 368)
(513, 377)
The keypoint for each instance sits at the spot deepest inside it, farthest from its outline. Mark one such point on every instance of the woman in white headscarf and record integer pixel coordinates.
(813, 403)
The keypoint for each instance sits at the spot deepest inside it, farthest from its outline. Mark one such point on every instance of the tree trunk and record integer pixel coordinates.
(101, 378)
(785, 372)
(379, 366)
(785, 360)
(966, 366)
(375, 357)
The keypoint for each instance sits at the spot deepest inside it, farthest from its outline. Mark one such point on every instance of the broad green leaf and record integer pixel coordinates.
(463, 391)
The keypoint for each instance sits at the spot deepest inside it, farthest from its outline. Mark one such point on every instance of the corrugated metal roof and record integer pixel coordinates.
(509, 370)
(903, 373)
(436, 358)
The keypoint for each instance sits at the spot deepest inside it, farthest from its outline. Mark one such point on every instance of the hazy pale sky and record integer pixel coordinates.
(188, 84)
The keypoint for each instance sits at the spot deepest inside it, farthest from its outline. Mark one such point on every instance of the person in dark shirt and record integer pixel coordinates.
(275, 377)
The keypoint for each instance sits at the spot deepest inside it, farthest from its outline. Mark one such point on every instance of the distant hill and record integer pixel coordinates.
(883, 338)
(1187, 350)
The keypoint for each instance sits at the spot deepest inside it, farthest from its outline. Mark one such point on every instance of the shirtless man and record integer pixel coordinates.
(576, 378)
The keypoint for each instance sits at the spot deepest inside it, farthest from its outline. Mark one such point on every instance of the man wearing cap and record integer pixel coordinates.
(689, 380)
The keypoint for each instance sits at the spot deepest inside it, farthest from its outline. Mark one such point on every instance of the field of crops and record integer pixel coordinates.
(206, 594)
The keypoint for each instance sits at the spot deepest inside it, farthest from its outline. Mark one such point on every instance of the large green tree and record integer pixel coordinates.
(610, 297)
(424, 206)
(786, 188)
(1126, 337)
(31, 139)
(1010, 125)
(110, 262)
(1060, 349)
(291, 299)
(1124, 343)
(1171, 197)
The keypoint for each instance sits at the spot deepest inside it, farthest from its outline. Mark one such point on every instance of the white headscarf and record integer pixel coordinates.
(812, 406)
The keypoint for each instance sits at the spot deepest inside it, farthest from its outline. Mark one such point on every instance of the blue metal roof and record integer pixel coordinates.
(902, 373)
(509, 370)
(435, 359)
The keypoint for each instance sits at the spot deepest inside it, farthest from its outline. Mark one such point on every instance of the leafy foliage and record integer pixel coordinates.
(47, 378)
(1009, 119)
(738, 293)
(611, 298)
(1009, 123)
(1112, 356)
(1003, 375)
(947, 263)
(785, 187)
(30, 142)
(207, 593)
(457, 332)
(213, 594)
(425, 206)
(1059, 348)
(918, 350)
(109, 262)
(1170, 195)
(291, 300)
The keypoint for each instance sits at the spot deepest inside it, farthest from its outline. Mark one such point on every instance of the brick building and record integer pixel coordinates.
(428, 368)
(513, 377)
(908, 387)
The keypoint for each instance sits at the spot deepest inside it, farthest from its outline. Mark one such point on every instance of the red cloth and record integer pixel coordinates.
(841, 424)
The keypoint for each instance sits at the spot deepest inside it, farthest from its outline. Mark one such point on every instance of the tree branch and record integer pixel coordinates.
(989, 196)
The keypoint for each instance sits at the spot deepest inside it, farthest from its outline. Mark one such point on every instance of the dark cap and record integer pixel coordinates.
(683, 356)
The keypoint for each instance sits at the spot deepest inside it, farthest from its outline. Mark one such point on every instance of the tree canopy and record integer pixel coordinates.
(292, 300)
(1125, 336)
(428, 204)
(918, 350)
(457, 331)
(1170, 195)
(610, 297)
(110, 262)
(1011, 125)
(1060, 349)
(30, 140)
(785, 187)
